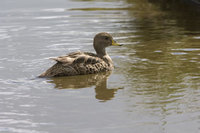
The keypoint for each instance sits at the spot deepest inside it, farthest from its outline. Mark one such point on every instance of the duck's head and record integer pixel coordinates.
(103, 40)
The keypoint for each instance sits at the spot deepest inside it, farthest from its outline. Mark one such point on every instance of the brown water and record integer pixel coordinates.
(155, 87)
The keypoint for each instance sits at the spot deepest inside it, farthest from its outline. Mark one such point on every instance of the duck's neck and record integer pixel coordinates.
(100, 52)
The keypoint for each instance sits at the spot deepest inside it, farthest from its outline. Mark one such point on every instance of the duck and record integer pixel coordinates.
(82, 63)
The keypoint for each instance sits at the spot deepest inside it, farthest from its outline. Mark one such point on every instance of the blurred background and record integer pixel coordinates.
(155, 87)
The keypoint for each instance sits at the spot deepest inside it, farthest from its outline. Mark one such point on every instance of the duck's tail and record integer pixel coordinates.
(43, 75)
(52, 71)
(46, 74)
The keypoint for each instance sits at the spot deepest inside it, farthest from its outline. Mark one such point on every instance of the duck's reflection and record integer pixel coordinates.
(83, 81)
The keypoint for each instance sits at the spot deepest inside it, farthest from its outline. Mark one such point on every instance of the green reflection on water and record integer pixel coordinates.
(164, 45)
(164, 63)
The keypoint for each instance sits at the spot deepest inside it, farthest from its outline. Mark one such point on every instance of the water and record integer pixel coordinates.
(154, 87)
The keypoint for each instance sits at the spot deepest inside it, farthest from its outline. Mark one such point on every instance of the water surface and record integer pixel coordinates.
(153, 89)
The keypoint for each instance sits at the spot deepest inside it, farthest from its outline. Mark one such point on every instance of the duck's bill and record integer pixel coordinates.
(115, 44)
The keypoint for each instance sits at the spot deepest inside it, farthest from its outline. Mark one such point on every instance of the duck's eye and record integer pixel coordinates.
(106, 38)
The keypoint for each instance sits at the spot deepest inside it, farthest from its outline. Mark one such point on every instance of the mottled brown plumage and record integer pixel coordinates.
(81, 63)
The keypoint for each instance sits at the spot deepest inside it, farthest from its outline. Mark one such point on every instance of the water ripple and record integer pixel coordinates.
(178, 53)
(7, 93)
(197, 37)
(4, 36)
(19, 130)
(54, 10)
(187, 49)
(51, 17)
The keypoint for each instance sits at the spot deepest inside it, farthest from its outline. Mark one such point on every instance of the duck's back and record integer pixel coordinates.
(78, 63)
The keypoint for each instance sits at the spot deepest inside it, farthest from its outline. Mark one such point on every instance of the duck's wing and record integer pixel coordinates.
(77, 58)
(67, 59)
(89, 63)
(87, 58)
